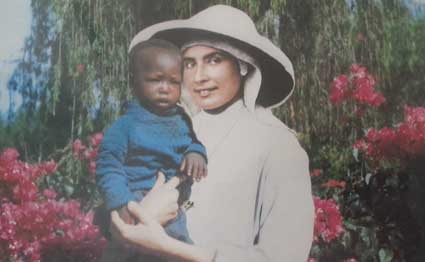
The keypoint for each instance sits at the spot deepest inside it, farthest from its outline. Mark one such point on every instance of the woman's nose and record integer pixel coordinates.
(200, 74)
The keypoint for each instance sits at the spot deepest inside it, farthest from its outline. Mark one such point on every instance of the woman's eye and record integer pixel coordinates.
(188, 64)
(216, 59)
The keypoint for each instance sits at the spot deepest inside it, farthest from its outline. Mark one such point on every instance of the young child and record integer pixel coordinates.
(155, 134)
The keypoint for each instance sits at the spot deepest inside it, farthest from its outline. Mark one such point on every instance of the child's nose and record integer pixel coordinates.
(164, 86)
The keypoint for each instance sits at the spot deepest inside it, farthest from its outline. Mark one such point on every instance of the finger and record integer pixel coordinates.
(196, 170)
(201, 170)
(117, 223)
(173, 182)
(189, 168)
(183, 165)
(174, 214)
(137, 212)
(205, 171)
(160, 180)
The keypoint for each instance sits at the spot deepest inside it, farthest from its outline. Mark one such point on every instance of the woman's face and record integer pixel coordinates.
(212, 77)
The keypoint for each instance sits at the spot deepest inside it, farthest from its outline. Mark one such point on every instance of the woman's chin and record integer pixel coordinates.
(207, 104)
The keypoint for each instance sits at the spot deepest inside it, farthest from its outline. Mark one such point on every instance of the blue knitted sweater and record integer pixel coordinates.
(137, 146)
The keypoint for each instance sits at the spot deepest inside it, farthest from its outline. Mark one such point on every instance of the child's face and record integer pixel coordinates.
(157, 79)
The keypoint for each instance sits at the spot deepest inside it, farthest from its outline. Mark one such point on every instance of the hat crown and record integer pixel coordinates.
(225, 19)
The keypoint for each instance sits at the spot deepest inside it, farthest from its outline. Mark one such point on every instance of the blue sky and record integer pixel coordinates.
(15, 26)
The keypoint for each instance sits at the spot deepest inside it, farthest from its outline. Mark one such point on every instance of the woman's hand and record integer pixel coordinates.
(148, 236)
(160, 203)
(125, 215)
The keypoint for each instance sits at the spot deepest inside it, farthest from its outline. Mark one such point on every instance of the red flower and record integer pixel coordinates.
(328, 220)
(33, 225)
(334, 183)
(77, 148)
(359, 86)
(339, 90)
(50, 193)
(90, 154)
(358, 71)
(96, 139)
(405, 142)
(9, 155)
(361, 37)
(315, 172)
(92, 167)
(365, 91)
(80, 68)
(49, 167)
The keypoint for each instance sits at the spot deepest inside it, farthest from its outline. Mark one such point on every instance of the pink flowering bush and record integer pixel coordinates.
(75, 178)
(328, 220)
(88, 152)
(34, 225)
(369, 181)
(402, 143)
(358, 86)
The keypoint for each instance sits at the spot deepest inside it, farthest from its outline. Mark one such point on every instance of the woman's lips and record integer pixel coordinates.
(205, 92)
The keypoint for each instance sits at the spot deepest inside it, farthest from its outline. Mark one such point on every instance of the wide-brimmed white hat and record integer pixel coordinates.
(230, 24)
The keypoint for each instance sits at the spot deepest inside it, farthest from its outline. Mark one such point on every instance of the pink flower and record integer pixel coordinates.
(96, 139)
(359, 86)
(358, 71)
(92, 167)
(339, 90)
(311, 259)
(334, 183)
(80, 68)
(365, 91)
(34, 225)
(315, 172)
(50, 193)
(328, 220)
(26, 190)
(77, 148)
(9, 155)
(361, 37)
(49, 167)
(90, 154)
(350, 260)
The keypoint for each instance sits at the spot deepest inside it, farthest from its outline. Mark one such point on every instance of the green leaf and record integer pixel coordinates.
(69, 190)
(385, 255)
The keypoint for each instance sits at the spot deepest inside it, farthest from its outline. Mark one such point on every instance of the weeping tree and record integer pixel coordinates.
(83, 47)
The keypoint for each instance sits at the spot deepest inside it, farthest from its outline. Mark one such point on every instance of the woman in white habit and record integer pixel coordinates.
(256, 203)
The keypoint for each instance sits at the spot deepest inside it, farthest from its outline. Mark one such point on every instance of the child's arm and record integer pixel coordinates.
(110, 176)
(195, 165)
(195, 157)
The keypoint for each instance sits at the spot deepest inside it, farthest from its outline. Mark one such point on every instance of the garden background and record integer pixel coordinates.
(358, 109)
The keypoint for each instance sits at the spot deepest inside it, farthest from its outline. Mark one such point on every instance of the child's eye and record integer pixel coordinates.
(175, 82)
(153, 80)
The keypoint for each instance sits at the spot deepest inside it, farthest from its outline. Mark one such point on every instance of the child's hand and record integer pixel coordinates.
(126, 215)
(194, 165)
